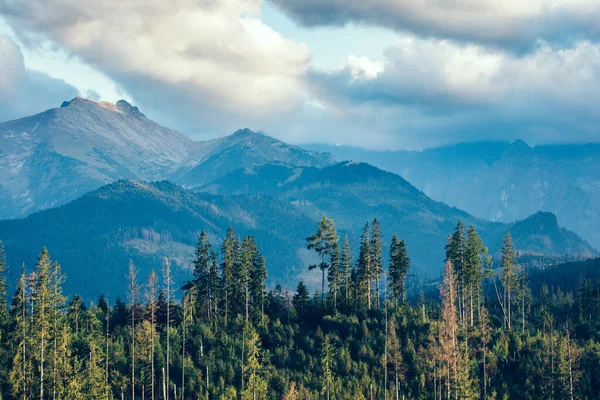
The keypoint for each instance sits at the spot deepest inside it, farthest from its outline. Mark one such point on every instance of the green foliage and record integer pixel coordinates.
(230, 337)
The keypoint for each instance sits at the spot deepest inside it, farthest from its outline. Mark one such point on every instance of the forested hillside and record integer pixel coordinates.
(96, 235)
(218, 333)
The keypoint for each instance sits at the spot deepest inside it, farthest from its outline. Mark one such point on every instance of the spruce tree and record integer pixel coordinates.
(327, 352)
(258, 287)
(334, 275)
(364, 270)
(475, 261)
(376, 249)
(509, 278)
(133, 289)
(200, 286)
(455, 253)
(300, 301)
(41, 320)
(399, 266)
(20, 373)
(323, 242)
(346, 268)
(151, 298)
(448, 331)
(255, 387)
(230, 257)
(243, 281)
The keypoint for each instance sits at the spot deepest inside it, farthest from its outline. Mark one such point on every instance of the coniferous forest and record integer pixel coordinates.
(222, 334)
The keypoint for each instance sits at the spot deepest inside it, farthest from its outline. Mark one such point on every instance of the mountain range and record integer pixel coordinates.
(96, 235)
(502, 181)
(86, 166)
(58, 155)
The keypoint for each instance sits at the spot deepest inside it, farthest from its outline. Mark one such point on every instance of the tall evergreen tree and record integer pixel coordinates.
(133, 289)
(334, 275)
(255, 387)
(448, 331)
(20, 373)
(151, 298)
(376, 249)
(258, 287)
(509, 278)
(399, 266)
(300, 301)
(168, 284)
(346, 268)
(327, 352)
(41, 319)
(364, 269)
(203, 286)
(474, 270)
(455, 253)
(323, 242)
(230, 257)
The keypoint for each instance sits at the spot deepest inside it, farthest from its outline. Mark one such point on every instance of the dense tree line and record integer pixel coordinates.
(223, 335)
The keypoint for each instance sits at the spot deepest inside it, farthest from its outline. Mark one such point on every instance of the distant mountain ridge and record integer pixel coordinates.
(502, 181)
(95, 236)
(58, 155)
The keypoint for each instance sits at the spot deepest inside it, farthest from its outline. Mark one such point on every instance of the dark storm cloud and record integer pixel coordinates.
(514, 24)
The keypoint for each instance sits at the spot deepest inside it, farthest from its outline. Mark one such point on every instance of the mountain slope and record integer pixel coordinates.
(503, 181)
(353, 192)
(95, 236)
(245, 148)
(56, 156)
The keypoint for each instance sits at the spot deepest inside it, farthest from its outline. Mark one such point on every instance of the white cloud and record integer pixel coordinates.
(196, 60)
(431, 92)
(22, 91)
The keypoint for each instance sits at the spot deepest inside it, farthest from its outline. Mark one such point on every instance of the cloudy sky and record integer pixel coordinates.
(369, 73)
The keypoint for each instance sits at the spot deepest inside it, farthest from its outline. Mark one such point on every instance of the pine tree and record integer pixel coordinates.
(334, 275)
(300, 301)
(133, 289)
(243, 274)
(151, 297)
(258, 287)
(230, 256)
(376, 249)
(322, 242)
(363, 269)
(346, 269)
(474, 271)
(255, 387)
(41, 318)
(21, 371)
(168, 283)
(509, 278)
(399, 266)
(327, 352)
(485, 333)
(455, 253)
(203, 286)
(395, 356)
(448, 334)
(59, 333)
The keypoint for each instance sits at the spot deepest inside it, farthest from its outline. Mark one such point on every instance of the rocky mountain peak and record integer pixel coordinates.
(127, 108)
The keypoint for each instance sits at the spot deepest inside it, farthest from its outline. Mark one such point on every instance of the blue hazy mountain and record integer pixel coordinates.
(502, 181)
(96, 235)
